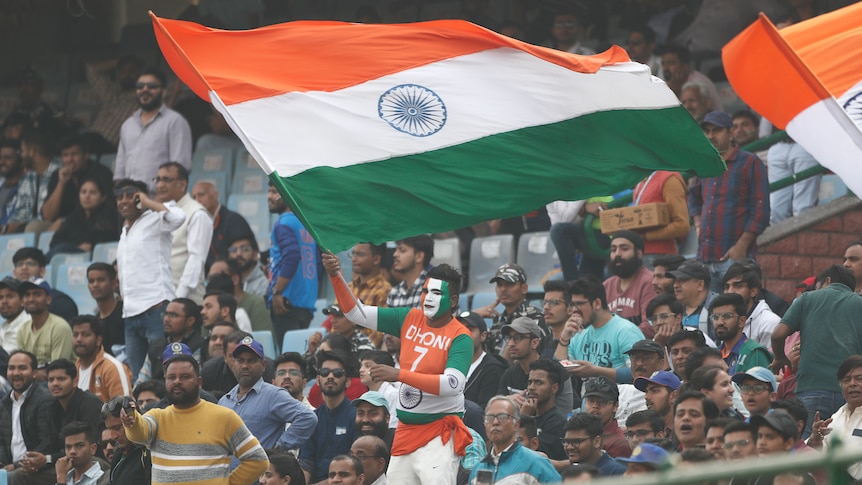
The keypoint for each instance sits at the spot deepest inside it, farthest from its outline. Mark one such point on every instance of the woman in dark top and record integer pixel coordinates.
(93, 222)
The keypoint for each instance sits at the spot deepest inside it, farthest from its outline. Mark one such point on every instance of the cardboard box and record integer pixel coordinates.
(645, 216)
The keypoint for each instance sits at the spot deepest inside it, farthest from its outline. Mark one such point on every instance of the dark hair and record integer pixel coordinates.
(591, 424)
(854, 243)
(183, 358)
(669, 262)
(182, 172)
(561, 286)
(686, 334)
(681, 52)
(156, 387)
(674, 305)
(34, 362)
(574, 471)
(449, 275)
(234, 337)
(736, 425)
(744, 113)
(376, 249)
(78, 427)
(591, 288)
(233, 269)
(35, 254)
(40, 141)
(224, 299)
(65, 365)
(696, 455)
(850, 363)
(191, 309)
(286, 464)
(127, 60)
(141, 186)
(337, 356)
(113, 406)
(101, 185)
(645, 31)
(528, 424)
(695, 359)
(357, 463)
(423, 243)
(655, 420)
(749, 275)
(75, 141)
(555, 370)
(224, 323)
(294, 357)
(251, 240)
(720, 422)
(96, 324)
(378, 357)
(156, 73)
(13, 144)
(710, 410)
(794, 407)
(838, 274)
(705, 377)
(732, 299)
(663, 443)
(338, 342)
(107, 268)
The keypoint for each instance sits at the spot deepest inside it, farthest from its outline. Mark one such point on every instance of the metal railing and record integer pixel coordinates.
(757, 145)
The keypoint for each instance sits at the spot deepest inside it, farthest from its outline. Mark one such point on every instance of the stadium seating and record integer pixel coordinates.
(249, 183)
(297, 340)
(538, 257)
(218, 179)
(255, 210)
(213, 161)
(318, 318)
(45, 241)
(265, 338)
(484, 299)
(11, 243)
(447, 251)
(105, 252)
(61, 259)
(487, 254)
(71, 278)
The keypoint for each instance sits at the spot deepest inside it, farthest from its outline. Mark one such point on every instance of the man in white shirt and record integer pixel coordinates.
(143, 263)
(191, 241)
(13, 313)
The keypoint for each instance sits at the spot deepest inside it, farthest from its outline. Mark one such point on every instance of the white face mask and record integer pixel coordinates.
(436, 298)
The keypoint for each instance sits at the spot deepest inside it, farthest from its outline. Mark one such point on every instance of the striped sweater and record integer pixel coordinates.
(195, 445)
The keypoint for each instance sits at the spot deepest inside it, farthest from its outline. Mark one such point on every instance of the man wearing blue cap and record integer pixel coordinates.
(731, 210)
(265, 408)
(646, 458)
(660, 393)
(758, 387)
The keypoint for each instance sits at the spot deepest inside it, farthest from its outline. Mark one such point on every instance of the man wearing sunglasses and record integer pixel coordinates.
(154, 134)
(143, 264)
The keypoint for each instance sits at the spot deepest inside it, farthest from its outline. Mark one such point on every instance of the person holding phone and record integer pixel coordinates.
(143, 264)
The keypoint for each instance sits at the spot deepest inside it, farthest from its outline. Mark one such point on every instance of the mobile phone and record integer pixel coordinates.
(127, 406)
(484, 477)
(138, 202)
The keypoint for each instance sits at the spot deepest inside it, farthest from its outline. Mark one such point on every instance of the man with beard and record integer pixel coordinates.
(691, 288)
(740, 353)
(508, 460)
(103, 284)
(116, 93)
(760, 321)
(246, 252)
(543, 385)
(47, 336)
(11, 171)
(372, 416)
(30, 263)
(336, 418)
(602, 399)
(181, 325)
(131, 464)
(80, 466)
(217, 373)
(659, 394)
(253, 305)
(583, 444)
(38, 155)
(630, 289)
(290, 374)
(153, 135)
(265, 408)
(662, 279)
(12, 311)
(411, 262)
(218, 433)
(99, 372)
(28, 403)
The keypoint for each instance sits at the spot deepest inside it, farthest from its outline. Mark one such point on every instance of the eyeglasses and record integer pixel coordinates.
(641, 433)
(336, 373)
(580, 303)
(127, 191)
(28, 263)
(573, 441)
(291, 373)
(235, 249)
(661, 317)
(501, 417)
(722, 316)
(755, 389)
(733, 444)
(140, 86)
(552, 302)
(105, 443)
(517, 338)
(166, 180)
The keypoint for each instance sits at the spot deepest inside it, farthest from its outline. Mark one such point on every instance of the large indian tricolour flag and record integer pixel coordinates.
(807, 79)
(379, 132)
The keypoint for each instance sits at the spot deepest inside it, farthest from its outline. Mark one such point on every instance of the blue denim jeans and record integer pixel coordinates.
(827, 402)
(142, 329)
(569, 239)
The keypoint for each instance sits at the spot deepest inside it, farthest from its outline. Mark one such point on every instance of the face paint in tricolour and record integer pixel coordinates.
(436, 301)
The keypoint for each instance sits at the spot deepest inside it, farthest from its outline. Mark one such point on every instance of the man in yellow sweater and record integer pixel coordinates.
(191, 428)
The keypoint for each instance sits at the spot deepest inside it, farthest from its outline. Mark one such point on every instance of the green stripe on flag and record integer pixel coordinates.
(499, 176)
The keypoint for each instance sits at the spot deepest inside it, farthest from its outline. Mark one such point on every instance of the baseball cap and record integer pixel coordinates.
(523, 325)
(806, 284)
(175, 349)
(35, 283)
(762, 374)
(780, 420)
(647, 453)
(510, 272)
(601, 387)
(373, 398)
(691, 270)
(333, 309)
(646, 346)
(473, 320)
(11, 283)
(662, 378)
(636, 239)
(717, 118)
(250, 344)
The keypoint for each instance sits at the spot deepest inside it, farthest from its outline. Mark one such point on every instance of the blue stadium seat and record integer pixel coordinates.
(538, 257)
(245, 163)
(108, 159)
(484, 299)
(213, 161)
(105, 252)
(487, 254)
(297, 340)
(218, 179)
(45, 241)
(13, 242)
(249, 183)
(255, 210)
(265, 339)
(61, 259)
(71, 278)
(447, 251)
(318, 318)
